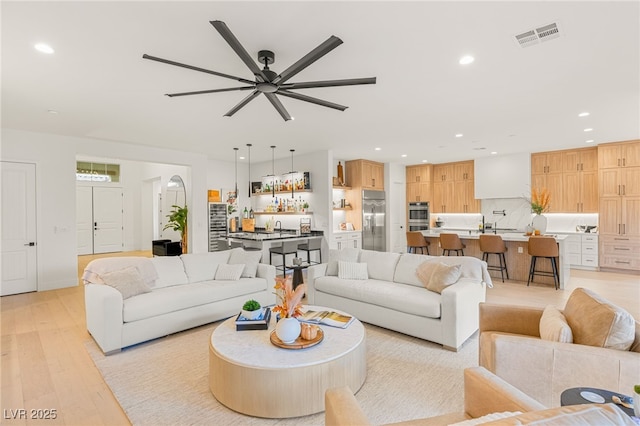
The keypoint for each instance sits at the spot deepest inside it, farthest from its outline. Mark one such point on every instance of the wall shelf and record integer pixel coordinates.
(341, 208)
(282, 213)
(296, 191)
(346, 188)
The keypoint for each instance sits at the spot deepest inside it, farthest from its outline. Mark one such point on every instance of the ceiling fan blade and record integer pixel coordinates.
(329, 83)
(202, 92)
(226, 33)
(191, 67)
(317, 53)
(242, 103)
(311, 99)
(278, 106)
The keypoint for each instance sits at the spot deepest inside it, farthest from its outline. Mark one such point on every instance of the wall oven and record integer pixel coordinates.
(418, 214)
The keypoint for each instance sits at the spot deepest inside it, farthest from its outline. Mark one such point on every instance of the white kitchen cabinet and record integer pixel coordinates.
(582, 250)
(342, 239)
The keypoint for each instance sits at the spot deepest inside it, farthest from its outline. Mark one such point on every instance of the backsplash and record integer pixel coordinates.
(517, 215)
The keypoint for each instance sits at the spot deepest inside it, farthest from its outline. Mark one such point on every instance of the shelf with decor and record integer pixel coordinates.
(284, 183)
(282, 213)
(296, 191)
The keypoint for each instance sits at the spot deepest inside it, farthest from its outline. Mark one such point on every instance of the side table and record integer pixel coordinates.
(576, 396)
(297, 273)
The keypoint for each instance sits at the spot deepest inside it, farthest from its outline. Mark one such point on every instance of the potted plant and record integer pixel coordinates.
(251, 309)
(178, 222)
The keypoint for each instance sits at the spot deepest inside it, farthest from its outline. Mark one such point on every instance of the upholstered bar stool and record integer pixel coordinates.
(546, 247)
(287, 247)
(312, 244)
(493, 244)
(451, 242)
(415, 241)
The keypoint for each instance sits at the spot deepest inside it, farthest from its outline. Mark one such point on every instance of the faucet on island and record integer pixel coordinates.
(275, 226)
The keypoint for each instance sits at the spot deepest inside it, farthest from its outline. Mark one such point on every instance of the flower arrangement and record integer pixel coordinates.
(540, 199)
(289, 306)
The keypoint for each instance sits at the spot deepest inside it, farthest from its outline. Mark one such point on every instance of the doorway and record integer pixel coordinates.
(99, 217)
(19, 251)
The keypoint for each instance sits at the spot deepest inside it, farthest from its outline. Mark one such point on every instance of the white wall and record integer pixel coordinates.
(55, 159)
(396, 195)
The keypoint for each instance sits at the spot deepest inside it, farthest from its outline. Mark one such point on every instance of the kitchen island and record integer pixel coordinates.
(262, 240)
(517, 257)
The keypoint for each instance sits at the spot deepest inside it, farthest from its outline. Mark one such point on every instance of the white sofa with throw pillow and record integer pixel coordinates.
(130, 300)
(434, 298)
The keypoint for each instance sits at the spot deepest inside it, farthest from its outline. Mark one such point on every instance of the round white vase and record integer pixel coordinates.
(539, 223)
(288, 330)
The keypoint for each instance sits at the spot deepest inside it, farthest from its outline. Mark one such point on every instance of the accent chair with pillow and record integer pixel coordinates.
(488, 400)
(543, 351)
(431, 297)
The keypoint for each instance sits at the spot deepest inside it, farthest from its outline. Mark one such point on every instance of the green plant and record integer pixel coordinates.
(636, 389)
(251, 305)
(231, 208)
(305, 205)
(177, 219)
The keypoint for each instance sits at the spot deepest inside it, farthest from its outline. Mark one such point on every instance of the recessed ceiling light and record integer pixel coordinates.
(52, 111)
(242, 158)
(403, 155)
(425, 161)
(378, 149)
(494, 152)
(589, 129)
(583, 114)
(459, 135)
(589, 141)
(466, 60)
(293, 118)
(480, 148)
(44, 48)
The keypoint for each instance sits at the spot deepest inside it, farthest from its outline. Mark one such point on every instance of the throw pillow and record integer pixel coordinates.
(352, 271)
(443, 276)
(229, 272)
(425, 270)
(250, 259)
(127, 281)
(346, 255)
(554, 327)
(487, 418)
(594, 321)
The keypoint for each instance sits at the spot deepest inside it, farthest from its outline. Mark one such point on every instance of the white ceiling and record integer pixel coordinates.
(509, 100)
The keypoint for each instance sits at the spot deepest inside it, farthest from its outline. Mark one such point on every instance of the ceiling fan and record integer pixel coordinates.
(267, 81)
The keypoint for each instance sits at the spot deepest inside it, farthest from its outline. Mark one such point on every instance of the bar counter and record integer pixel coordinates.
(517, 257)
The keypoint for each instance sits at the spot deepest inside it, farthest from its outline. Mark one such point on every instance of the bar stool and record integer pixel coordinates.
(546, 247)
(287, 247)
(312, 244)
(415, 241)
(493, 244)
(451, 242)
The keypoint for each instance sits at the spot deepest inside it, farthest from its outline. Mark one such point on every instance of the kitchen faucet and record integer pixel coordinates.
(275, 226)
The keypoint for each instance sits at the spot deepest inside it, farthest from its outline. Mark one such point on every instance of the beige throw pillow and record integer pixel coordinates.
(127, 281)
(595, 321)
(437, 276)
(229, 272)
(352, 271)
(554, 327)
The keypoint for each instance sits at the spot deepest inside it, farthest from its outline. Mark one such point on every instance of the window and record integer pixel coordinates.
(97, 172)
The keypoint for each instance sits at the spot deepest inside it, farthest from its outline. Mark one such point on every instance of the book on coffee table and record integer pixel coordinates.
(330, 318)
(260, 323)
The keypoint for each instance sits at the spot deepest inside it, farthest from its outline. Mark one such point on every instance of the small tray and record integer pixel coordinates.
(299, 343)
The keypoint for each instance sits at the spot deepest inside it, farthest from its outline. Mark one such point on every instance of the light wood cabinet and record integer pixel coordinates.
(580, 181)
(419, 174)
(619, 154)
(365, 174)
(419, 183)
(443, 197)
(619, 181)
(463, 170)
(444, 172)
(453, 188)
(553, 183)
(546, 162)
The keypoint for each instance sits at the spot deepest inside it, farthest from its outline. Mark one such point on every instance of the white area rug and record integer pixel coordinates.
(165, 381)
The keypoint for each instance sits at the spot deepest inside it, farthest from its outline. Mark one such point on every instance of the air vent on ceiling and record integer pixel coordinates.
(538, 35)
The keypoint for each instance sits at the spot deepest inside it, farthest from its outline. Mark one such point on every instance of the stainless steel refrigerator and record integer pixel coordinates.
(373, 220)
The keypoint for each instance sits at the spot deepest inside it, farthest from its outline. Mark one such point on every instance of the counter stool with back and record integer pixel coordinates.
(451, 242)
(493, 244)
(415, 241)
(546, 247)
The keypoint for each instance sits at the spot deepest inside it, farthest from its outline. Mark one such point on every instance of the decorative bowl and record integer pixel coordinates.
(297, 261)
(251, 315)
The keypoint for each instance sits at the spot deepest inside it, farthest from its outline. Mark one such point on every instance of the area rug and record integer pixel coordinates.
(165, 381)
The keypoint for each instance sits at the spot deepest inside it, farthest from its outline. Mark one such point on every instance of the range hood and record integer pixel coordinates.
(506, 176)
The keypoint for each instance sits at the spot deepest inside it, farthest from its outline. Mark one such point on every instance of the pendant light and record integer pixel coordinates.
(292, 172)
(273, 170)
(236, 189)
(249, 158)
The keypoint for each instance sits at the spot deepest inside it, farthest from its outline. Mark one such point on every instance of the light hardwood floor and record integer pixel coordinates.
(44, 364)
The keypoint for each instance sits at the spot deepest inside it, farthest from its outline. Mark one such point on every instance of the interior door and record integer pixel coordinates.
(107, 220)
(19, 254)
(84, 219)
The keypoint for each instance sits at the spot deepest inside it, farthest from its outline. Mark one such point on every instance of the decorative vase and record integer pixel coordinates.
(539, 223)
(288, 330)
(636, 402)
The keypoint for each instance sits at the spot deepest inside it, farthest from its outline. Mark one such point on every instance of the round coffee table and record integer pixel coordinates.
(250, 375)
(576, 396)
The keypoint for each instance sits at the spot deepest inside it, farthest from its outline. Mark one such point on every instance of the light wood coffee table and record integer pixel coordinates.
(250, 375)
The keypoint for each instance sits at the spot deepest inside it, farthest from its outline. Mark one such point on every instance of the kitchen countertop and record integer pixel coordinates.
(474, 235)
(285, 234)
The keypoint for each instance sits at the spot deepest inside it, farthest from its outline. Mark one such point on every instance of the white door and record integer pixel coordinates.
(84, 219)
(99, 219)
(19, 255)
(107, 220)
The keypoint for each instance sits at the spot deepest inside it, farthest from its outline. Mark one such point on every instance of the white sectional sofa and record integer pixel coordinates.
(394, 297)
(179, 292)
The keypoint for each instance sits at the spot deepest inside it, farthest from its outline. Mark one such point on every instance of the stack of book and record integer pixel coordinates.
(331, 318)
(260, 323)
